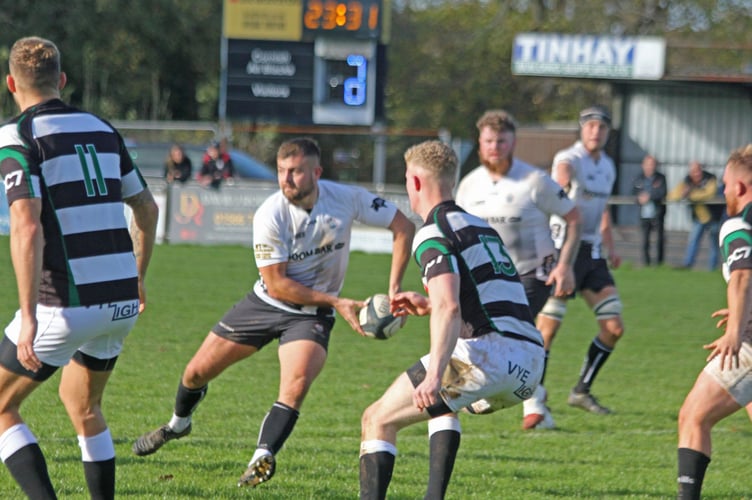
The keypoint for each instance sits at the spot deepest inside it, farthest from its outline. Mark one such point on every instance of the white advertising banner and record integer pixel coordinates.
(589, 56)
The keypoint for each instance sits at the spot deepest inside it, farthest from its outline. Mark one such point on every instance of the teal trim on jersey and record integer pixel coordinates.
(740, 234)
(12, 154)
(429, 245)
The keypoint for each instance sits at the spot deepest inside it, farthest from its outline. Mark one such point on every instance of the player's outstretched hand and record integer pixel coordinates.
(404, 303)
(348, 309)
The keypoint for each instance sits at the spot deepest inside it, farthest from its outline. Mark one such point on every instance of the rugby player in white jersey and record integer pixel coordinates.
(480, 327)
(301, 242)
(79, 273)
(518, 200)
(587, 174)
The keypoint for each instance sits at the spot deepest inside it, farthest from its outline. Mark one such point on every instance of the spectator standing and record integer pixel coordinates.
(650, 189)
(699, 188)
(178, 167)
(725, 384)
(79, 273)
(216, 167)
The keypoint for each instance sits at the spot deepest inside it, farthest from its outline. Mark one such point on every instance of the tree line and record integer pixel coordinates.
(448, 60)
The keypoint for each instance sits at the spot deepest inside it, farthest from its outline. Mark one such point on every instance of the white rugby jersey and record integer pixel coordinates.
(79, 167)
(315, 245)
(492, 297)
(591, 186)
(518, 206)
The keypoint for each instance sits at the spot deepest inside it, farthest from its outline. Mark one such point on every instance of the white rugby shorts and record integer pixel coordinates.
(98, 330)
(737, 381)
(492, 367)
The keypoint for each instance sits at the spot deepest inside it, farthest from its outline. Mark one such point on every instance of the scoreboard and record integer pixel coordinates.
(304, 61)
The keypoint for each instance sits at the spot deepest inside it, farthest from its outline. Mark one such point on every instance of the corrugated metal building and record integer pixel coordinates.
(678, 123)
(678, 100)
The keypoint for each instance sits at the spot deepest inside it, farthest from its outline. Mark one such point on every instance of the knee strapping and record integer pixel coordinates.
(610, 307)
(555, 308)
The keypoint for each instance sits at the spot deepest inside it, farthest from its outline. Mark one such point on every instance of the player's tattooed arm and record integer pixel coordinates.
(143, 231)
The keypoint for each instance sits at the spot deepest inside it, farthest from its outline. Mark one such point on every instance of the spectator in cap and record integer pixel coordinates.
(216, 167)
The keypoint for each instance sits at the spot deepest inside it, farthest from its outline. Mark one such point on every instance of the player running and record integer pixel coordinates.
(301, 242)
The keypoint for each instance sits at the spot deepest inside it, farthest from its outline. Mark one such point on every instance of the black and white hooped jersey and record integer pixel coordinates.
(78, 165)
(591, 186)
(491, 294)
(735, 240)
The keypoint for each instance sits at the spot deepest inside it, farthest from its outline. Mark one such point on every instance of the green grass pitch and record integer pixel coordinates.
(630, 454)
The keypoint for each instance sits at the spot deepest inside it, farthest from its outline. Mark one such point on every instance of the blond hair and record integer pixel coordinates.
(34, 64)
(740, 161)
(435, 157)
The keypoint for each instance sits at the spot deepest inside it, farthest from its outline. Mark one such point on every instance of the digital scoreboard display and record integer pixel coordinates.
(358, 18)
(304, 61)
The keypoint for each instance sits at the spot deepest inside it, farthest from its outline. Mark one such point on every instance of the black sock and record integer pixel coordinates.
(29, 469)
(100, 478)
(375, 475)
(595, 359)
(444, 445)
(692, 466)
(277, 426)
(187, 400)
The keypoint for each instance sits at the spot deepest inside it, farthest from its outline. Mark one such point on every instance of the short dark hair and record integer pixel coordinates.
(305, 146)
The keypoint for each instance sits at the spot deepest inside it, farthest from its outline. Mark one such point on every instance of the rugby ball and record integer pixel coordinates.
(376, 320)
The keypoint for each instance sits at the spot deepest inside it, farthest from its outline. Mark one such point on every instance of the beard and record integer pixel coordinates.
(297, 194)
(496, 164)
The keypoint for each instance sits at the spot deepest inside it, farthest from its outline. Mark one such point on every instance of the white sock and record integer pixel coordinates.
(376, 446)
(444, 423)
(97, 448)
(260, 452)
(15, 438)
(179, 424)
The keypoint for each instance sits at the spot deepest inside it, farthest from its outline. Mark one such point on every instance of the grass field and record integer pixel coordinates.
(630, 454)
